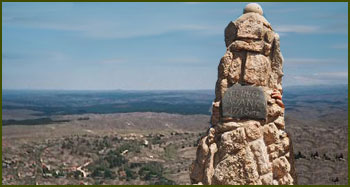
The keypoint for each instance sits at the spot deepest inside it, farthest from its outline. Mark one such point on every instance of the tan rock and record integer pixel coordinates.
(227, 126)
(256, 69)
(211, 136)
(223, 172)
(262, 158)
(270, 132)
(266, 49)
(286, 180)
(274, 182)
(247, 151)
(281, 167)
(233, 141)
(252, 130)
(255, 17)
(197, 167)
(269, 36)
(215, 116)
(274, 110)
(273, 155)
(242, 163)
(230, 33)
(209, 167)
(267, 179)
(271, 148)
(224, 65)
(250, 28)
(251, 45)
(234, 71)
(253, 7)
(279, 122)
(285, 144)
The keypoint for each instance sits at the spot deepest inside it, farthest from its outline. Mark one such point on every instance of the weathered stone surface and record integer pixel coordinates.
(228, 126)
(286, 180)
(223, 172)
(244, 102)
(233, 141)
(250, 28)
(274, 111)
(253, 46)
(225, 64)
(243, 164)
(230, 33)
(262, 159)
(253, 16)
(257, 69)
(279, 122)
(209, 169)
(235, 69)
(247, 151)
(252, 130)
(266, 179)
(197, 167)
(269, 36)
(270, 133)
(215, 116)
(253, 7)
(281, 167)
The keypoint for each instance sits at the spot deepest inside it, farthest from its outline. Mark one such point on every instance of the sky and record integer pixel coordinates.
(159, 46)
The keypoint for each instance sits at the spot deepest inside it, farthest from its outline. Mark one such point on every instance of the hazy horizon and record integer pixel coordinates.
(169, 90)
(159, 46)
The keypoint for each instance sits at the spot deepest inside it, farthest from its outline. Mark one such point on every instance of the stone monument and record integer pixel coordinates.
(247, 143)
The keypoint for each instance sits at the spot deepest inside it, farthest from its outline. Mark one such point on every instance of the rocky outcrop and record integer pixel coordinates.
(247, 151)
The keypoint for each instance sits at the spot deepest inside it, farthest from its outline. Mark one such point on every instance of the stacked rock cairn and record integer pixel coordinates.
(242, 146)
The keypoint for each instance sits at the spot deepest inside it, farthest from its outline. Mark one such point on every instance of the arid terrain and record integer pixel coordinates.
(155, 147)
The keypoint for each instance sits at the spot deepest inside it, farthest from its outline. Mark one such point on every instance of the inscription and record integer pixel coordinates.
(244, 102)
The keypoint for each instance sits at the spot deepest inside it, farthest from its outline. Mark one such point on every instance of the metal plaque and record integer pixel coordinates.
(244, 102)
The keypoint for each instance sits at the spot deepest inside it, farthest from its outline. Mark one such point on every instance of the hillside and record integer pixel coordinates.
(160, 146)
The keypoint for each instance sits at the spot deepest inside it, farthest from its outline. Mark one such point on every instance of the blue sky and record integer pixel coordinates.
(146, 46)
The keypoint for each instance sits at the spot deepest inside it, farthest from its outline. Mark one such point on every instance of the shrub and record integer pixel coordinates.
(130, 174)
(131, 146)
(102, 172)
(115, 159)
(170, 151)
(151, 170)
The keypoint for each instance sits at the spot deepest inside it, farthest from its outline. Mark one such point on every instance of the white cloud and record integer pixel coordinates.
(35, 56)
(107, 29)
(321, 78)
(339, 46)
(338, 28)
(313, 61)
(331, 75)
(185, 60)
(303, 29)
(113, 61)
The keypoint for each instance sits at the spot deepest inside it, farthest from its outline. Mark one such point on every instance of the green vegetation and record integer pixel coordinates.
(131, 146)
(103, 173)
(130, 174)
(115, 159)
(105, 159)
(170, 152)
(153, 171)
